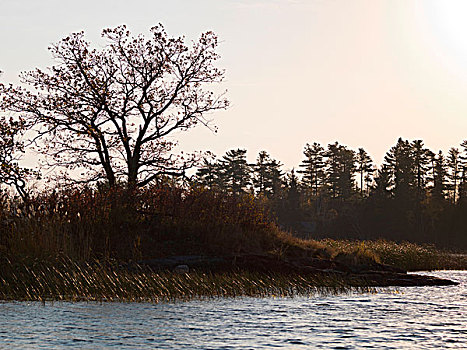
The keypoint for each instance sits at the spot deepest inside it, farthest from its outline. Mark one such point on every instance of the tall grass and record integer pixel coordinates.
(158, 221)
(81, 244)
(405, 255)
(100, 223)
(65, 279)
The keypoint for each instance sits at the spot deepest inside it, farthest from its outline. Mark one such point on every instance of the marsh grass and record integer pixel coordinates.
(65, 279)
(76, 245)
(406, 256)
(86, 223)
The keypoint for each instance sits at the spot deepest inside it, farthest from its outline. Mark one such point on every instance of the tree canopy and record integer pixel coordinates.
(11, 148)
(113, 110)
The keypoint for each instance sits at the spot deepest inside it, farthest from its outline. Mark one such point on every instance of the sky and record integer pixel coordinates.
(362, 72)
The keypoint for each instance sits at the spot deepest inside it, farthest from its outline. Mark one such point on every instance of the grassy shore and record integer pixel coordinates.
(95, 233)
(406, 256)
(64, 279)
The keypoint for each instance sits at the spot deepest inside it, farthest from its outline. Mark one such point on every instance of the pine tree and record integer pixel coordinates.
(313, 168)
(439, 179)
(259, 178)
(235, 171)
(208, 174)
(382, 189)
(463, 179)
(364, 168)
(400, 164)
(454, 173)
(340, 169)
(276, 176)
(293, 190)
(369, 179)
(421, 160)
(266, 175)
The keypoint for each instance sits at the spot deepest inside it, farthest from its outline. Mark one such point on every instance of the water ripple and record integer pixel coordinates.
(413, 317)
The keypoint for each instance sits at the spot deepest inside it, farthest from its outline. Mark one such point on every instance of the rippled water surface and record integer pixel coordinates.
(414, 317)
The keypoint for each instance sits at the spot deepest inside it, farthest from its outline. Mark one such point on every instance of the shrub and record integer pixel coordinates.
(152, 222)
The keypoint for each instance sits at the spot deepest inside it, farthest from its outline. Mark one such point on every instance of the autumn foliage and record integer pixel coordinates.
(152, 222)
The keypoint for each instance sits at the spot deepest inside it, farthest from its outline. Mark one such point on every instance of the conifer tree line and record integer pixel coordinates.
(410, 172)
(416, 194)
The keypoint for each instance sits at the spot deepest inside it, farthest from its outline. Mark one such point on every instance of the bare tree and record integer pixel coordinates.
(114, 110)
(11, 149)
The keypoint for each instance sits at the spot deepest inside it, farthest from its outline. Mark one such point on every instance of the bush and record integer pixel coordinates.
(153, 222)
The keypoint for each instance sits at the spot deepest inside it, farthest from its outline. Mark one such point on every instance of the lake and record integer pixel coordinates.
(410, 317)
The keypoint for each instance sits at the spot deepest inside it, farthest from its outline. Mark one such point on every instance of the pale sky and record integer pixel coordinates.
(360, 72)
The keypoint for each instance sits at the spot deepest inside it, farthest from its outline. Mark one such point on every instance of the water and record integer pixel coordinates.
(414, 317)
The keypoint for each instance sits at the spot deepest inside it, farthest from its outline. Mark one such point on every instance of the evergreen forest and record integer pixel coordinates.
(416, 195)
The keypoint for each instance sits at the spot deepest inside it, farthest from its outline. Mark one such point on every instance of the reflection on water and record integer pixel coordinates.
(414, 317)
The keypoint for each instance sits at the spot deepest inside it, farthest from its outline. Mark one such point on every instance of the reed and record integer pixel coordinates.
(86, 223)
(404, 255)
(65, 279)
(76, 244)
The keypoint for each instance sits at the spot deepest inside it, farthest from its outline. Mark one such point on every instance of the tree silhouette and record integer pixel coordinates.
(111, 110)
(406, 200)
(382, 189)
(11, 149)
(453, 163)
(293, 190)
(400, 164)
(266, 177)
(313, 175)
(421, 160)
(463, 179)
(439, 178)
(208, 174)
(340, 168)
(364, 168)
(235, 171)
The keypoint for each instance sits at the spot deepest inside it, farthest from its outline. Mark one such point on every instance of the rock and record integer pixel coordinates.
(181, 269)
(195, 261)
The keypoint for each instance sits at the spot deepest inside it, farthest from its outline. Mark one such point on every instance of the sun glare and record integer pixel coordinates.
(448, 21)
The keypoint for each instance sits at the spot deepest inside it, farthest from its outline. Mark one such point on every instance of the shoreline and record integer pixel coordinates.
(68, 280)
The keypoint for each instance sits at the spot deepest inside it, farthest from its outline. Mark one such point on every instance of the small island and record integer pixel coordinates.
(125, 216)
(165, 243)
